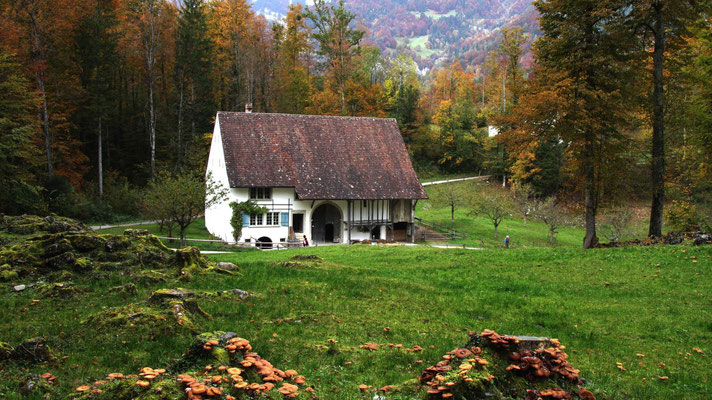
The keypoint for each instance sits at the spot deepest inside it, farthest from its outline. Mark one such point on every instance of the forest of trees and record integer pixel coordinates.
(101, 96)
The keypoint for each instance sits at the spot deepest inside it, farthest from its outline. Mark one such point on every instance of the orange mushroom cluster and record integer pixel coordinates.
(556, 393)
(49, 377)
(466, 369)
(369, 346)
(224, 381)
(197, 389)
(498, 340)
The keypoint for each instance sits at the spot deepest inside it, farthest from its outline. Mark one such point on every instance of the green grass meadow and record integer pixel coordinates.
(480, 231)
(605, 305)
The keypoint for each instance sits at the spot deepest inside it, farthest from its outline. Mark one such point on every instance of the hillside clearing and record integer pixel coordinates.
(607, 306)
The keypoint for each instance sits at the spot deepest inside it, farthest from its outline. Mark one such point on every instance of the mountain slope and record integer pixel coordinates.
(433, 30)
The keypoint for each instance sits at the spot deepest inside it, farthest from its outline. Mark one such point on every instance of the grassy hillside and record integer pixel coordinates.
(480, 231)
(606, 306)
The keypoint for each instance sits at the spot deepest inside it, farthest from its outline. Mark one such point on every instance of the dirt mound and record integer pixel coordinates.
(694, 238)
(218, 365)
(503, 367)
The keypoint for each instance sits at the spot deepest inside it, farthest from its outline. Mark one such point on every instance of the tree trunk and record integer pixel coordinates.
(100, 163)
(37, 56)
(658, 150)
(452, 214)
(525, 219)
(152, 123)
(495, 232)
(504, 91)
(551, 235)
(45, 125)
(591, 200)
(179, 147)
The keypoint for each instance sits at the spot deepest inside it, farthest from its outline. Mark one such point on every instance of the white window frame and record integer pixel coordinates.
(260, 193)
(256, 219)
(272, 219)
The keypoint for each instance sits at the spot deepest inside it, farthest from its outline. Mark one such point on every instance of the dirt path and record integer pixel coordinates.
(95, 227)
(471, 178)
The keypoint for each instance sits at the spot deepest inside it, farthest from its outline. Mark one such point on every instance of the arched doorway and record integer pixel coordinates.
(326, 224)
(264, 243)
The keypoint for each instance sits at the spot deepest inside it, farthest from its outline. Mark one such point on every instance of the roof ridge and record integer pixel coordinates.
(305, 115)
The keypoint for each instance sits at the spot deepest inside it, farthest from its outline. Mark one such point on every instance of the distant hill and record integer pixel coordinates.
(433, 30)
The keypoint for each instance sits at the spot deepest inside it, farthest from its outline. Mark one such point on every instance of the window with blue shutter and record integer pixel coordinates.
(245, 220)
(285, 219)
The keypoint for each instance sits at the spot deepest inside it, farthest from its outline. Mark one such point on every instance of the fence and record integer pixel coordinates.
(446, 232)
(240, 245)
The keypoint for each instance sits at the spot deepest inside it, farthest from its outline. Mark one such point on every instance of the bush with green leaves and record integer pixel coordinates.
(181, 198)
(238, 210)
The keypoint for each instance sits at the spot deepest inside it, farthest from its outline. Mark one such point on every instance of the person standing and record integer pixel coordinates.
(506, 241)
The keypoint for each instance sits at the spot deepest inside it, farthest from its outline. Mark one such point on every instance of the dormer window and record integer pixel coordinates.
(260, 193)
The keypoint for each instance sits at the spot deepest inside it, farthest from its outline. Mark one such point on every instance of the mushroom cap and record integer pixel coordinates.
(83, 388)
(143, 383)
(462, 353)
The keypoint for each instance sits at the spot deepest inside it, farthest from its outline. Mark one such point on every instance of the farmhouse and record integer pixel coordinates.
(329, 179)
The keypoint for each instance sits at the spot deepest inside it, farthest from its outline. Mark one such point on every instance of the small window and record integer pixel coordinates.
(365, 203)
(272, 218)
(256, 219)
(282, 240)
(260, 193)
(247, 240)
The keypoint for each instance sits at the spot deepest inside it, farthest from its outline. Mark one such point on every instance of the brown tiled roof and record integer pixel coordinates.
(321, 157)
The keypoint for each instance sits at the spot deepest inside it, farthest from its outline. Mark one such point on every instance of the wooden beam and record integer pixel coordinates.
(348, 224)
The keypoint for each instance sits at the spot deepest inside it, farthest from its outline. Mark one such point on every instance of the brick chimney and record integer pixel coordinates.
(248, 108)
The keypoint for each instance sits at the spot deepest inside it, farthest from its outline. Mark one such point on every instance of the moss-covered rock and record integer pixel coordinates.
(32, 350)
(167, 311)
(65, 290)
(200, 353)
(82, 252)
(5, 351)
(32, 224)
(127, 289)
(149, 277)
(7, 273)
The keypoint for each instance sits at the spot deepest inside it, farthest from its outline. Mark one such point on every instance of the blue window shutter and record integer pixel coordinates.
(245, 220)
(285, 219)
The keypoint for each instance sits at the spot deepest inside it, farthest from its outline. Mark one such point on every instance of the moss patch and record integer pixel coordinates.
(134, 252)
(32, 224)
(167, 311)
(64, 290)
(302, 261)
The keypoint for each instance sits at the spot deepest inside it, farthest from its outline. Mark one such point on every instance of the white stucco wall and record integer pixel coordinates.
(217, 218)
